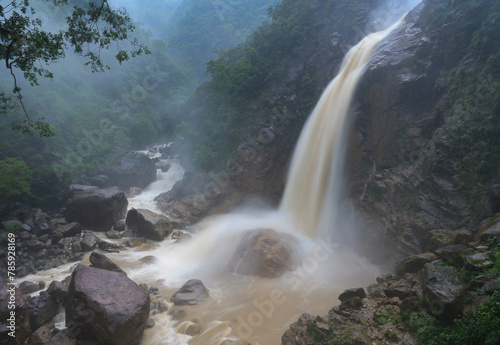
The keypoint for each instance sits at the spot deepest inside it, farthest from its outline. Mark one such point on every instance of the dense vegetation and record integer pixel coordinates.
(201, 27)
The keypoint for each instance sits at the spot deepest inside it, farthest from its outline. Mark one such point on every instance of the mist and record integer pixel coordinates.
(389, 12)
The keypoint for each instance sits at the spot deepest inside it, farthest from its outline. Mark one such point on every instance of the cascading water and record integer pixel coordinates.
(165, 181)
(314, 189)
(243, 307)
(313, 192)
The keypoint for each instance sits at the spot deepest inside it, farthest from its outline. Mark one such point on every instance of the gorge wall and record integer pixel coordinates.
(425, 144)
(426, 139)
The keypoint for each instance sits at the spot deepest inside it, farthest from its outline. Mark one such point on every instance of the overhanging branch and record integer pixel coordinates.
(15, 37)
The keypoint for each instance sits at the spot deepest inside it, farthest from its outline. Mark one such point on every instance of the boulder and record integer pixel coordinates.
(490, 231)
(401, 289)
(103, 262)
(134, 169)
(89, 242)
(21, 322)
(41, 310)
(385, 278)
(443, 291)
(492, 286)
(96, 209)
(37, 220)
(106, 306)
(351, 303)
(42, 335)
(479, 281)
(109, 247)
(148, 224)
(69, 230)
(452, 254)
(376, 291)
(478, 261)
(414, 263)
(350, 293)
(27, 287)
(59, 290)
(191, 293)
(265, 253)
(436, 239)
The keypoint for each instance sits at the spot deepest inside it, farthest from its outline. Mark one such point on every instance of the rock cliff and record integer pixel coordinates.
(424, 146)
(425, 143)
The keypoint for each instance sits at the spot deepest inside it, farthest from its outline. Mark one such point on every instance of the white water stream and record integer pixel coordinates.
(255, 309)
(164, 183)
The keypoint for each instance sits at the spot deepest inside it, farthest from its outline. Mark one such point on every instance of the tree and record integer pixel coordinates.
(15, 179)
(25, 44)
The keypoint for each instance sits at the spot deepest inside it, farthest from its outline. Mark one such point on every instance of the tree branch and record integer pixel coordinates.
(15, 37)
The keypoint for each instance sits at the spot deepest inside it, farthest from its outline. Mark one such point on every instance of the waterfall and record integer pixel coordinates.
(246, 307)
(315, 185)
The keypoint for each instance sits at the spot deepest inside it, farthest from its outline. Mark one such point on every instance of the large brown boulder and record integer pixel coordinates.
(106, 306)
(20, 322)
(264, 252)
(94, 208)
(148, 224)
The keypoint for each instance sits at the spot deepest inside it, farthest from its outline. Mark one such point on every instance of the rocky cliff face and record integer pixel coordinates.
(424, 146)
(425, 142)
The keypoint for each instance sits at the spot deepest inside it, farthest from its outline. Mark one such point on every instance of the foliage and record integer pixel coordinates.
(12, 226)
(26, 44)
(14, 179)
(481, 328)
(200, 27)
(494, 256)
(218, 112)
